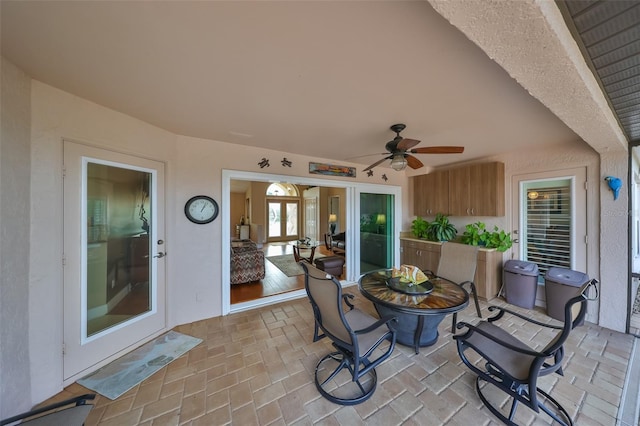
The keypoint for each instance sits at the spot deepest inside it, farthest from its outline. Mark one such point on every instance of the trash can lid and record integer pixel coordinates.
(521, 267)
(566, 276)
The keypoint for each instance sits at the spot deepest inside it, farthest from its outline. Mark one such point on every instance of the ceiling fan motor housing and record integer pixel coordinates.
(398, 128)
(392, 146)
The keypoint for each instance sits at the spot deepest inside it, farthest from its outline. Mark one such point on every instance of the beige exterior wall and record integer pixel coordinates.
(15, 182)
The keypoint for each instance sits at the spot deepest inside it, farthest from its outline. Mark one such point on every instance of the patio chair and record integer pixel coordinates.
(55, 414)
(458, 264)
(346, 376)
(511, 366)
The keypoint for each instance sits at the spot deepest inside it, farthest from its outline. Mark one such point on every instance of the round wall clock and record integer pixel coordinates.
(201, 209)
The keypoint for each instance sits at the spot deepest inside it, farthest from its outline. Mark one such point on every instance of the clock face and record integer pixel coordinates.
(201, 209)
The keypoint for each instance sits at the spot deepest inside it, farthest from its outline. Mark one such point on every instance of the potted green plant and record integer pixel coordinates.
(475, 234)
(499, 239)
(419, 227)
(441, 229)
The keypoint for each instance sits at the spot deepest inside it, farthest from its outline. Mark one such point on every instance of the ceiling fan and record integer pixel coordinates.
(400, 150)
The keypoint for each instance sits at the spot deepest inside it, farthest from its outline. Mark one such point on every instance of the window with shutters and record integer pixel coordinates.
(548, 224)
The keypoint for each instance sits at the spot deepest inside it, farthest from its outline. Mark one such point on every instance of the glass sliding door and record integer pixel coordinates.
(376, 231)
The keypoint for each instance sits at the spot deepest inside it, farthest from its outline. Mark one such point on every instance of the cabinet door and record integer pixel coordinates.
(459, 192)
(431, 194)
(419, 188)
(408, 253)
(431, 256)
(437, 193)
(486, 189)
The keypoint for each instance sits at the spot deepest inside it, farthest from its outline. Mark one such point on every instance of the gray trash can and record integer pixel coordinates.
(521, 283)
(561, 285)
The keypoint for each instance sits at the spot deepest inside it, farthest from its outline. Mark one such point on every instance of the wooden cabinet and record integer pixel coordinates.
(426, 255)
(459, 192)
(431, 194)
(486, 186)
(423, 254)
(477, 190)
(488, 274)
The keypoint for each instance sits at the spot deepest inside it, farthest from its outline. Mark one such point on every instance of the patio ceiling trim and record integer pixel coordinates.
(532, 42)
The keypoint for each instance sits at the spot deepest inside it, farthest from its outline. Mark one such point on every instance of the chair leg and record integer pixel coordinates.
(561, 416)
(475, 299)
(343, 390)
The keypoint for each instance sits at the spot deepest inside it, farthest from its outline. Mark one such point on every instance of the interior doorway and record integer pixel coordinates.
(348, 217)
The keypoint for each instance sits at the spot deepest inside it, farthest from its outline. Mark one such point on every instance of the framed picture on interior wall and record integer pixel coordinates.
(331, 169)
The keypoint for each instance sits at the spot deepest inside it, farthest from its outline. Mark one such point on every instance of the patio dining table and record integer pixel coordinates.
(419, 309)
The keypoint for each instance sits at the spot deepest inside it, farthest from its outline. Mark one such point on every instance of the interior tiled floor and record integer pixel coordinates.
(256, 368)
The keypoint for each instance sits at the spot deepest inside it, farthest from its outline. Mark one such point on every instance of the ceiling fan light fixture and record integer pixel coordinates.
(398, 162)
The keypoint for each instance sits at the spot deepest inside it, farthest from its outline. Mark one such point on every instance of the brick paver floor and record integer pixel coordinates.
(256, 368)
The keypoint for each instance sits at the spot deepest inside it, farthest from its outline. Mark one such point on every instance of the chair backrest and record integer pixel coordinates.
(325, 294)
(575, 309)
(327, 241)
(457, 262)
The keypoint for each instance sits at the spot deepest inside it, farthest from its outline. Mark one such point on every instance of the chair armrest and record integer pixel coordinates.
(473, 329)
(384, 320)
(346, 298)
(502, 311)
(78, 400)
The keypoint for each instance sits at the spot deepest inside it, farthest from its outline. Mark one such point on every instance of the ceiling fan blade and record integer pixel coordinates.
(378, 162)
(406, 144)
(365, 155)
(438, 150)
(413, 162)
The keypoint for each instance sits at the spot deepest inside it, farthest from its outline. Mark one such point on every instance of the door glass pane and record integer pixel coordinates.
(274, 220)
(310, 214)
(292, 219)
(547, 224)
(117, 245)
(376, 231)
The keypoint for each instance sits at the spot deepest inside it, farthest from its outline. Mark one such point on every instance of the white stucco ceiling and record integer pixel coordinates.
(325, 79)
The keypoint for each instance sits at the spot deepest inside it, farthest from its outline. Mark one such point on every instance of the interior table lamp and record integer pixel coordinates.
(333, 218)
(381, 220)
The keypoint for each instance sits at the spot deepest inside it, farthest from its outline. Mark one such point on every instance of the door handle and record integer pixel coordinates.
(160, 254)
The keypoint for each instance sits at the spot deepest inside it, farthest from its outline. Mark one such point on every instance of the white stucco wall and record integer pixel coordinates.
(15, 168)
(57, 115)
(614, 237)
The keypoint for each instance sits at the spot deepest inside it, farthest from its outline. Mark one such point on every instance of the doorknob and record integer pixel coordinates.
(160, 254)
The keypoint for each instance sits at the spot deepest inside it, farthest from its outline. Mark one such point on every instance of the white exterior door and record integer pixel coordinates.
(114, 278)
(550, 220)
